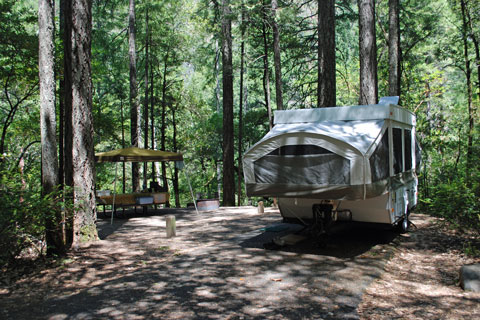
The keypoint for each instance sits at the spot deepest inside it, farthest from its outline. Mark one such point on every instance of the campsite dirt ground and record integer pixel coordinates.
(421, 280)
(217, 268)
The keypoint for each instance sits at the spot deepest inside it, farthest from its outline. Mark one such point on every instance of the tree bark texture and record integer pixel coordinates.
(152, 116)
(48, 126)
(217, 76)
(240, 111)
(134, 105)
(61, 104)
(164, 122)
(84, 228)
(46, 55)
(276, 57)
(67, 60)
(326, 71)
(176, 190)
(67, 119)
(368, 53)
(266, 69)
(122, 119)
(146, 104)
(228, 148)
(394, 57)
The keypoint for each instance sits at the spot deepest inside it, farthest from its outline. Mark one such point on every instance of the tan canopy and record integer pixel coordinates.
(134, 154)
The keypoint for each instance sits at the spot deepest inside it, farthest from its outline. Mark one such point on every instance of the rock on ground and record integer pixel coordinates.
(470, 277)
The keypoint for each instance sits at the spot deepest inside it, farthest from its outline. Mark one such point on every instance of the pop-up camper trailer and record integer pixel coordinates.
(354, 163)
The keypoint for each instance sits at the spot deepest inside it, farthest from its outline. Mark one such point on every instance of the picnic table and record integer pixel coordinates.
(143, 199)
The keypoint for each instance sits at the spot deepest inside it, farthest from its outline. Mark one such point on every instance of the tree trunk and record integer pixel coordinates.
(134, 105)
(266, 69)
(146, 105)
(476, 45)
(84, 228)
(164, 124)
(61, 99)
(228, 149)
(475, 40)
(152, 117)
(240, 111)
(48, 126)
(468, 74)
(217, 76)
(122, 119)
(326, 71)
(276, 57)
(368, 53)
(394, 73)
(68, 129)
(175, 175)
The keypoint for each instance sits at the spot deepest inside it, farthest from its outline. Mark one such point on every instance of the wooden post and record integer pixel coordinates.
(260, 207)
(171, 226)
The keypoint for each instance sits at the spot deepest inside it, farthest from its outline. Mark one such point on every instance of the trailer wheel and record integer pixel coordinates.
(404, 224)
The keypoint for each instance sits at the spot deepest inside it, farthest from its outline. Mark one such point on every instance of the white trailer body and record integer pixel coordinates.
(358, 162)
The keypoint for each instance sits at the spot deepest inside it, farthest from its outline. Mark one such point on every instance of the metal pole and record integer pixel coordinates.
(190, 186)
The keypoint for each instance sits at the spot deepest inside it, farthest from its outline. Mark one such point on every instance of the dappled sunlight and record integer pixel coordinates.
(208, 270)
(427, 288)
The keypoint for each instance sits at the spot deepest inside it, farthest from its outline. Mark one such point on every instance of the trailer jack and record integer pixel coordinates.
(322, 221)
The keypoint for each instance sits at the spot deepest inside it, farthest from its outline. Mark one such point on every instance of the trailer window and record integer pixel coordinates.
(298, 150)
(397, 150)
(304, 165)
(379, 164)
(408, 149)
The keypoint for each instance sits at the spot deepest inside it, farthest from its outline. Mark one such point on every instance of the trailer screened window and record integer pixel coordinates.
(407, 134)
(299, 150)
(397, 150)
(303, 165)
(379, 163)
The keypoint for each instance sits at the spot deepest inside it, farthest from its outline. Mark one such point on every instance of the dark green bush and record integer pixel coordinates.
(23, 211)
(454, 201)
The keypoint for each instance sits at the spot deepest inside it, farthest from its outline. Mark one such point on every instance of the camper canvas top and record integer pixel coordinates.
(385, 109)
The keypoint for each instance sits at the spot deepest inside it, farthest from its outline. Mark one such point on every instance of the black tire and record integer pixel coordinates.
(404, 225)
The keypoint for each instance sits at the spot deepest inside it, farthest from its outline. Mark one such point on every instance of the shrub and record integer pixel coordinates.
(23, 211)
(454, 201)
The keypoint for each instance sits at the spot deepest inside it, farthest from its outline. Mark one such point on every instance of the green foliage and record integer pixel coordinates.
(23, 215)
(18, 73)
(454, 201)
(19, 45)
(471, 250)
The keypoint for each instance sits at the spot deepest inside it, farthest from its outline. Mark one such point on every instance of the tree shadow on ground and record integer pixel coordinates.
(347, 241)
(207, 271)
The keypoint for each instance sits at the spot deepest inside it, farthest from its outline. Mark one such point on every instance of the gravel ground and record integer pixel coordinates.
(215, 268)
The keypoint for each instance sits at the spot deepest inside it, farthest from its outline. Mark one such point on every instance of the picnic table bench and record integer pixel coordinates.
(143, 199)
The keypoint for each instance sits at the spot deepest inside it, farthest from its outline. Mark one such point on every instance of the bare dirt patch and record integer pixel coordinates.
(421, 281)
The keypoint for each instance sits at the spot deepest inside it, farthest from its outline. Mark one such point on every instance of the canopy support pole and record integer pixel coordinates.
(191, 190)
(114, 193)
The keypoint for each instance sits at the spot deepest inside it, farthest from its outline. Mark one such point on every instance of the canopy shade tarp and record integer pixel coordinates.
(134, 154)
